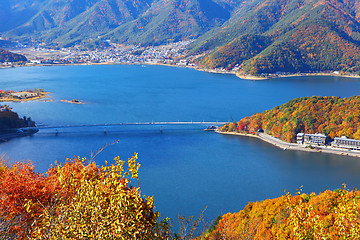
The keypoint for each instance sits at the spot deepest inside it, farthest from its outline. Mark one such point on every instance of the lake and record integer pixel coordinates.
(185, 168)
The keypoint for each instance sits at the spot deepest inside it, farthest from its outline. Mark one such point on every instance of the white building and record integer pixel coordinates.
(344, 142)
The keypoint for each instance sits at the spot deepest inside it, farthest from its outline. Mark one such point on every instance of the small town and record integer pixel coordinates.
(170, 54)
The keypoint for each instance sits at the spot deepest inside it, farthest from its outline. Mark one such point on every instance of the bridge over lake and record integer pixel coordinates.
(122, 127)
(204, 123)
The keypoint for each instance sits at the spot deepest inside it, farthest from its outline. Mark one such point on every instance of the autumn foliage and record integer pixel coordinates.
(6, 56)
(328, 215)
(333, 116)
(286, 36)
(77, 200)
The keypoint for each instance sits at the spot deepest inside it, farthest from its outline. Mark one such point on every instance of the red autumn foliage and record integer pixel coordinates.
(20, 184)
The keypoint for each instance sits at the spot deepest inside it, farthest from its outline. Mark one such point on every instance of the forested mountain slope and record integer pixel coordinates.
(333, 116)
(175, 20)
(14, 13)
(328, 215)
(257, 36)
(6, 56)
(68, 22)
(301, 36)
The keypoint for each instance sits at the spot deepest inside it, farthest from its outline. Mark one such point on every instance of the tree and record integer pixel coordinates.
(333, 116)
(77, 200)
(19, 184)
(104, 205)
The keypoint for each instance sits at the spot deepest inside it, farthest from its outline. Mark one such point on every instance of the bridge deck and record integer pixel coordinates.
(127, 124)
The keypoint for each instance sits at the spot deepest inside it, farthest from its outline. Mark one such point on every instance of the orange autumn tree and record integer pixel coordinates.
(19, 184)
(328, 215)
(76, 200)
(333, 116)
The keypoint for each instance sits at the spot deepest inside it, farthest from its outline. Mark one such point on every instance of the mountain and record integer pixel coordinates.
(256, 36)
(287, 36)
(71, 21)
(173, 21)
(6, 56)
(17, 12)
(68, 22)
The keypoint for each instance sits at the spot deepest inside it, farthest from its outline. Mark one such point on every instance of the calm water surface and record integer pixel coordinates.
(184, 168)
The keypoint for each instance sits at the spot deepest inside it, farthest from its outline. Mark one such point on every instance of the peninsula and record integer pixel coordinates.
(317, 124)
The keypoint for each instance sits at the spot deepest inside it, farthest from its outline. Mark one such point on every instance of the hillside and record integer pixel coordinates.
(6, 56)
(167, 21)
(9, 120)
(18, 12)
(333, 116)
(255, 36)
(303, 36)
(328, 215)
(69, 22)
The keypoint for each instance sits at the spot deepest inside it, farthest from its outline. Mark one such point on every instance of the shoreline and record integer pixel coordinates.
(237, 74)
(294, 146)
(324, 74)
(4, 137)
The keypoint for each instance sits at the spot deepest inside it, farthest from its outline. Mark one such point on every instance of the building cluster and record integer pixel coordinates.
(318, 139)
(344, 142)
(116, 53)
(25, 94)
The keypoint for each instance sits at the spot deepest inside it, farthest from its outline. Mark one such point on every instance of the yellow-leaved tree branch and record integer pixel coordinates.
(77, 200)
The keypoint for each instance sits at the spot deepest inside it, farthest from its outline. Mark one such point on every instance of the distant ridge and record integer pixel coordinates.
(254, 36)
(287, 36)
(69, 22)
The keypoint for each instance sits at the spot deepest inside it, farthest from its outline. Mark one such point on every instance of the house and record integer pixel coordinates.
(35, 61)
(344, 142)
(23, 95)
(300, 138)
(317, 139)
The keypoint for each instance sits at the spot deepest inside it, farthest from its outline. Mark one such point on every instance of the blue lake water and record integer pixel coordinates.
(184, 168)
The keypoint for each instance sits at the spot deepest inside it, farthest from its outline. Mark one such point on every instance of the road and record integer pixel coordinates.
(297, 147)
